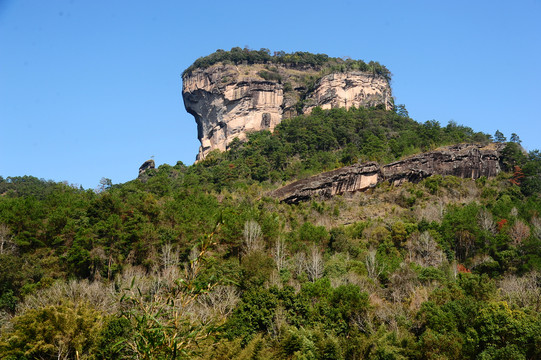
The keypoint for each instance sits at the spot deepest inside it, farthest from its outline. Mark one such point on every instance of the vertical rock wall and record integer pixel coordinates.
(229, 101)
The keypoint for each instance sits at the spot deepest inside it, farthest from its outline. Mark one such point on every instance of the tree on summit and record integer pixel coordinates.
(515, 138)
(499, 137)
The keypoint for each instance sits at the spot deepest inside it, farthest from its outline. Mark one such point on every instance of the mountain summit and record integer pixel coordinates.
(239, 91)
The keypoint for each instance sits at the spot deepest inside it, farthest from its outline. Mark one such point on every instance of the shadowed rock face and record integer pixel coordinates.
(464, 160)
(229, 101)
(147, 165)
(357, 177)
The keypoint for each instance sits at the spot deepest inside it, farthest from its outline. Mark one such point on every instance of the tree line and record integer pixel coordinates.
(238, 56)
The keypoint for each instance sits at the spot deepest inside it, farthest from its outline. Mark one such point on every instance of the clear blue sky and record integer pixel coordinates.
(92, 89)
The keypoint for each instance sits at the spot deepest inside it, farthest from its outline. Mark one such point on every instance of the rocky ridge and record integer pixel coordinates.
(229, 101)
(463, 160)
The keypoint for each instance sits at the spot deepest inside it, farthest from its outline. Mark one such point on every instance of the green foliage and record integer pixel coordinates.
(531, 183)
(475, 327)
(114, 333)
(161, 327)
(501, 332)
(8, 300)
(479, 287)
(370, 298)
(256, 268)
(254, 314)
(58, 331)
(429, 274)
(29, 186)
(459, 231)
(270, 75)
(238, 56)
(512, 155)
(321, 141)
(499, 137)
(313, 234)
(339, 241)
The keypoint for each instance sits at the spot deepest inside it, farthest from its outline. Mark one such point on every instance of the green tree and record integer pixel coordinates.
(499, 137)
(514, 138)
(53, 332)
(501, 330)
(512, 155)
(254, 314)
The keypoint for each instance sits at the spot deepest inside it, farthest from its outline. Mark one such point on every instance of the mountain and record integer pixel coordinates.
(352, 233)
(228, 100)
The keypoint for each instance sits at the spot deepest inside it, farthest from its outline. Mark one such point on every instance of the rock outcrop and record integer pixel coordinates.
(147, 165)
(228, 101)
(464, 160)
(357, 177)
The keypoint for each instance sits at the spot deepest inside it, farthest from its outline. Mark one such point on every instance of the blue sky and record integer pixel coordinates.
(92, 89)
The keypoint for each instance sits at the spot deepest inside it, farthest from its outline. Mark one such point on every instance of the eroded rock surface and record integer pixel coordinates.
(357, 177)
(464, 160)
(228, 101)
(349, 89)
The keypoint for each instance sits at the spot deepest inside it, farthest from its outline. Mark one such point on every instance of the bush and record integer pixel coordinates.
(53, 331)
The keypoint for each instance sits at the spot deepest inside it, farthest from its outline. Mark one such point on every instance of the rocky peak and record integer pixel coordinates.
(147, 165)
(228, 101)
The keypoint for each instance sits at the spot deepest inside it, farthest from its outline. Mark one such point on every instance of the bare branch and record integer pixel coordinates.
(424, 250)
(519, 231)
(279, 254)
(252, 237)
(373, 267)
(486, 222)
(314, 265)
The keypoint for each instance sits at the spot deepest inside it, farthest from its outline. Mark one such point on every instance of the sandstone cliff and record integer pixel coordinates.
(464, 160)
(349, 89)
(228, 101)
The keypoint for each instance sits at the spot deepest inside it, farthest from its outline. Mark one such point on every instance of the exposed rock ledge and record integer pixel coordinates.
(357, 177)
(464, 160)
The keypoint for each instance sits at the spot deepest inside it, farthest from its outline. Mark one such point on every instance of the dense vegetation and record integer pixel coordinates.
(197, 262)
(320, 61)
(323, 141)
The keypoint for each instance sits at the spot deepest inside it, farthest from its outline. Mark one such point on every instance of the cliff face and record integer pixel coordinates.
(349, 89)
(229, 101)
(226, 105)
(465, 160)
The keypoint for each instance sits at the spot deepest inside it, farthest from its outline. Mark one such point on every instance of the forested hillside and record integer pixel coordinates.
(201, 262)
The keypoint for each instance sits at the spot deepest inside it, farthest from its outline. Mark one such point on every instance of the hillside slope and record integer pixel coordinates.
(199, 262)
